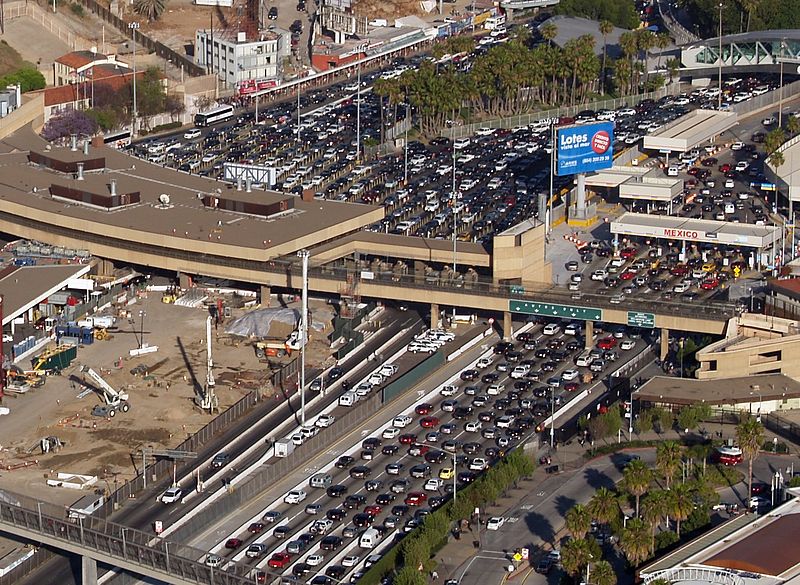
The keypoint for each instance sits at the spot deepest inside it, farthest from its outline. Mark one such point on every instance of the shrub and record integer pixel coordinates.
(77, 10)
(665, 539)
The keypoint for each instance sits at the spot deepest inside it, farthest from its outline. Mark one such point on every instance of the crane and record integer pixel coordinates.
(207, 398)
(113, 398)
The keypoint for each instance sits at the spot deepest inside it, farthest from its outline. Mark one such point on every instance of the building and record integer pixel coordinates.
(10, 100)
(783, 298)
(243, 57)
(78, 96)
(78, 65)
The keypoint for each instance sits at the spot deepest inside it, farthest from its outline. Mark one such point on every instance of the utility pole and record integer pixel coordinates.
(780, 90)
(358, 114)
(303, 254)
(298, 112)
(719, 97)
(134, 26)
(405, 150)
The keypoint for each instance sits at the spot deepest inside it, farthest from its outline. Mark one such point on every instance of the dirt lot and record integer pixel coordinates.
(162, 410)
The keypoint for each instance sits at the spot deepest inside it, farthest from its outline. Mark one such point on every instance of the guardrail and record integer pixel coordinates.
(766, 100)
(675, 28)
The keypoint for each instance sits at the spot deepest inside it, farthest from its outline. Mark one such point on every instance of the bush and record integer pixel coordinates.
(28, 78)
(696, 520)
(163, 128)
(665, 539)
(771, 447)
(77, 10)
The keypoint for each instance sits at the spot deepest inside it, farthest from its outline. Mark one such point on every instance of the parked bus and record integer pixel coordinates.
(119, 139)
(213, 116)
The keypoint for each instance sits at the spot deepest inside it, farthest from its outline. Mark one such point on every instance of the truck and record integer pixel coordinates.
(98, 322)
(284, 447)
(113, 399)
(369, 538)
(278, 347)
(86, 506)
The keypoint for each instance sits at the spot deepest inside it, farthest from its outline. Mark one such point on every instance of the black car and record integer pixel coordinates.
(398, 486)
(273, 13)
(462, 412)
(336, 491)
(467, 476)
(470, 375)
(502, 347)
(390, 449)
(334, 374)
(220, 460)
(385, 499)
(435, 456)
(336, 514)
(400, 510)
(354, 501)
(330, 542)
(300, 569)
(362, 520)
(490, 378)
(371, 443)
(344, 462)
(336, 572)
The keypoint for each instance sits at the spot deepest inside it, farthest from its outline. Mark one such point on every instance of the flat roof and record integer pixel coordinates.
(771, 550)
(691, 130)
(186, 221)
(672, 390)
(696, 230)
(23, 287)
(789, 171)
(614, 176)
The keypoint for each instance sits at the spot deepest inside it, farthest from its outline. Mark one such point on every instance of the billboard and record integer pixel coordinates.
(584, 147)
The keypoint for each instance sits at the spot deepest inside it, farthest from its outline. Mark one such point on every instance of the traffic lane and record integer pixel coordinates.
(148, 510)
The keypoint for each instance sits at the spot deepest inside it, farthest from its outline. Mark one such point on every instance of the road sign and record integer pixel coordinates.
(638, 319)
(525, 552)
(554, 310)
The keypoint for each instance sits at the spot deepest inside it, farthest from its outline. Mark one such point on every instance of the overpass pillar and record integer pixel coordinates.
(88, 571)
(435, 314)
(664, 350)
(580, 200)
(266, 292)
(507, 328)
(589, 334)
(184, 280)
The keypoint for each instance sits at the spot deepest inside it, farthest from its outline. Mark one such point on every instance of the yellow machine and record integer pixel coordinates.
(170, 295)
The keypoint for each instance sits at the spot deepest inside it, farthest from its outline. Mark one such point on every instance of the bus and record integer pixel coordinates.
(213, 116)
(119, 139)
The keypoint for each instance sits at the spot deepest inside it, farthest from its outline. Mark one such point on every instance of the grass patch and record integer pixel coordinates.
(10, 59)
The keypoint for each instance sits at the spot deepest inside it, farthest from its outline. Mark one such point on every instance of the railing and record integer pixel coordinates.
(676, 29)
(18, 9)
(767, 99)
(696, 575)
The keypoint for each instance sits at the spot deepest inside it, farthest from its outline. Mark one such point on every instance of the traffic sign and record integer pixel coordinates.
(555, 310)
(525, 552)
(638, 319)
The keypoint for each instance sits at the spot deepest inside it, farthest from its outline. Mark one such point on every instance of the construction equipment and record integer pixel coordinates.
(114, 399)
(277, 348)
(102, 334)
(171, 294)
(33, 379)
(54, 359)
(207, 398)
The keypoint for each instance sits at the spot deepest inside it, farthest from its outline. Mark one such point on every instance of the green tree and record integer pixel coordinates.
(635, 541)
(673, 65)
(150, 9)
(662, 419)
(603, 506)
(603, 574)
(409, 576)
(680, 504)
(776, 159)
(415, 551)
(687, 418)
(575, 555)
(636, 478)
(606, 27)
(643, 422)
(28, 78)
(549, 31)
(578, 521)
(654, 510)
(750, 436)
(793, 126)
(668, 459)
(662, 41)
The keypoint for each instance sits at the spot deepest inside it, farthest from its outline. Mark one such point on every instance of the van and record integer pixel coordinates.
(672, 172)
(551, 329)
(348, 399)
(320, 480)
(461, 143)
(369, 538)
(585, 359)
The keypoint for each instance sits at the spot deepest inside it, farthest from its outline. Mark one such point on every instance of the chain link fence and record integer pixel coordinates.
(766, 100)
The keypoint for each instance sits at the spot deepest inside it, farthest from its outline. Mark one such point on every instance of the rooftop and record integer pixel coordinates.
(691, 130)
(787, 286)
(77, 59)
(733, 391)
(22, 287)
(572, 27)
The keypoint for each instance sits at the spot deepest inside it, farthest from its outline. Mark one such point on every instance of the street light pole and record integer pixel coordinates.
(358, 113)
(303, 254)
(552, 417)
(142, 315)
(719, 97)
(780, 89)
(405, 150)
(134, 26)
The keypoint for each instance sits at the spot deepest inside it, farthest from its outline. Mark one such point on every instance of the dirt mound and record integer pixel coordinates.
(387, 8)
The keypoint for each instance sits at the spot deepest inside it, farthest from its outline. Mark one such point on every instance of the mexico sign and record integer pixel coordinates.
(582, 148)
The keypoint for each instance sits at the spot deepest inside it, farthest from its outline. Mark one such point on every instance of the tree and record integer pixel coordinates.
(415, 552)
(603, 574)
(28, 78)
(549, 31)
(776, 159)
(409, 576)
(687, 418)
(635, 541)
(636, 479)
(606, 27)
(793, 126)
(662, 41)
(150, 9)
(643, 422)
(70, 122)
(662, 419)
(654, 510)
(750, 436)
(680, 504)
(750, 6)
(668, 459)
(673, 65)
(575, 555)
(604, 506)
(578, 521)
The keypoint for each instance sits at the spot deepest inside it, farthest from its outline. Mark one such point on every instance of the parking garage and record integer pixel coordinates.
(762, 241)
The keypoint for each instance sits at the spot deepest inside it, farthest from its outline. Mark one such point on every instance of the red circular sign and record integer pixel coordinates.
(601, 141)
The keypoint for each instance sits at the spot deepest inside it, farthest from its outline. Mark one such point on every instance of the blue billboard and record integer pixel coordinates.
(582, 148)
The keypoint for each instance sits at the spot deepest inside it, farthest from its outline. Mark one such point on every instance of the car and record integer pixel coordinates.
(192, 134)
(282, 532)
(416, 499)
(213, 560)
(420, 471)
(362, 520)
(313, 509)
(256, 549)
(350, 560)
(607, 343)
(570, 375)
(402, 421)
(495, 523)
(314, 560)
(331, 542)
(360, 472)
(271, 516)
(544, 565)
(336, 514)
(220, 460)
(478, 464)
(324, 420)
(759, 503)
(233, 543)
(344, 462)
(295, 497)
(627, 344)
(423, 409)
(171, 495)
(429, 422)
(408, 439)
(448, 390)
(279, 560)
(469, 375)
(390, 433)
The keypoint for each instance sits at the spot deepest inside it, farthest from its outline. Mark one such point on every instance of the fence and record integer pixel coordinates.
(41, 556)
(32, 110)
(263, 479)
(766, 100)
(40, 17)
(413, 376)
(525, 119)
(681, 35)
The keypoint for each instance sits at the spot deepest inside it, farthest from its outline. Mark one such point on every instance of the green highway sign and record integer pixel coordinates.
(637, 319)
(553, 310)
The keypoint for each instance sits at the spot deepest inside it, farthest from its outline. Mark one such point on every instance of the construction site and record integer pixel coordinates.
(80, 414)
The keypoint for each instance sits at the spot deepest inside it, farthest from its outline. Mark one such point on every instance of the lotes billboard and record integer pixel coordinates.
(582, 148)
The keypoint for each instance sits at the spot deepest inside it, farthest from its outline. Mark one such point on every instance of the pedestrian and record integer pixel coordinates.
(434, 575)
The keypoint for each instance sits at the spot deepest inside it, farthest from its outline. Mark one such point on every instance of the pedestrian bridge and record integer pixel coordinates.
(524, 4)
(764, 48)
(96, 540)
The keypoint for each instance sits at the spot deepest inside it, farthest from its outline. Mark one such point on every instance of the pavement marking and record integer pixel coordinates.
(512, 519)
(526, 507)
(541, 494)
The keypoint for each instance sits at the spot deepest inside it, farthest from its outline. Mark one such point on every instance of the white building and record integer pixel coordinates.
(239, 59)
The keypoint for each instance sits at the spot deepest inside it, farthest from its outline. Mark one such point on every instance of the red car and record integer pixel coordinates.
(261, 577)
(417, 450)
(233, 543)
(710, 284)
(424, 408)
(408, 439)
(627, 275)
(607, 343)
(255, 527)
(416, 499)
(373, 510)
(693, 171)
(680, 270)
(279, 560)
(628, 253)
(724, 168)
(571, 386)
(429, 422)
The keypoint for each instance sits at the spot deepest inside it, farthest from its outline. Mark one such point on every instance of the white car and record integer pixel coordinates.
(171, 495)
(478, 464)
(569, 375)
(402, 421)
(295, 497)
(448, 390)
(388, 370)
(737, 146)
(314, 560)
(495, 523)
(213, 561)
(484, 362)
(390, 433)
(325, 420)
(729, 184)
(520, 372)
(350, 561)
(627, 344)
(433, 485)
(495, 389)
(599, 275)
(572, 329)
(192, 134)
(376, 379)
(551, 329)
(473, 426)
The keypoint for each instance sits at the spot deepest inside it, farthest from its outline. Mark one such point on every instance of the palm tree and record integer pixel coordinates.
(776, 159)
(578, 521)
(603, 574)
(627, 41)
(662, 41)
(575, 555)
(549, 31)
(673, 65)
(750, 6)
(150, 9)
(680, 504)
(635, 541)
(750, 432)
(654, 509)
(604, 506)
(606, 27)
(793, 125)
(668, 458)
(636, 478)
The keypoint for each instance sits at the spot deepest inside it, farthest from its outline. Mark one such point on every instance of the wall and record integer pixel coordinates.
(519, 255)
(32, 110)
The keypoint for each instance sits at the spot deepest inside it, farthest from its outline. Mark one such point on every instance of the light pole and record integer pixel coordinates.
(591, 556)
(780, 89)
(455, 470)
(680, 345)
(303, 254)
(142, 315)
(134, 26)
(630, 422)
(358, 113)
(405, 149)
(298, 112)
(549, 208)
(719, 97)
(552, 417)
(455, 220)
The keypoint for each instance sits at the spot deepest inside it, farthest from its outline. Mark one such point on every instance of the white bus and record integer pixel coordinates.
(213, 116)
(119, 139)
